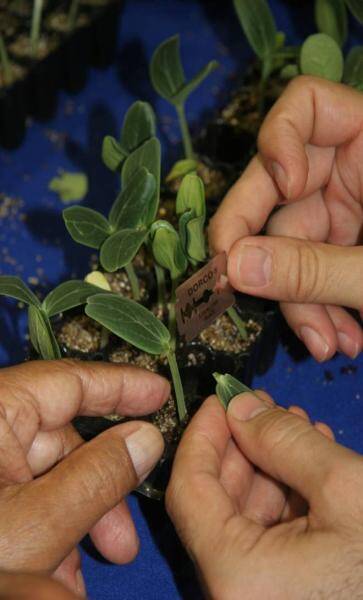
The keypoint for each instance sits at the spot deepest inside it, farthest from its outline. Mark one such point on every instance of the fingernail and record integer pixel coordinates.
(281, 178)
(145, 447)
(348, 345)
(254, 266)
(80, 585)
(246, 406)
(315, 343)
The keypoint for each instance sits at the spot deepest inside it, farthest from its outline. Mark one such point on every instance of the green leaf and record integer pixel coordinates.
(167, 73)
(138, 126)
(13, 286)
(70, 187)
(133, 203)
(353, 68)
(191, 196)
(167, 248)
(258, 25)
(331, 18)
(113, 155)
(196, 240)
(166, 69)
(148, 156)
(120, 248)
(228, 387)
(86, 226)
(130, 321)
(189, 87)
(356, 8)
(181, 168)
(41, 334)
(322, 57)
(67, 295)
(280, 40)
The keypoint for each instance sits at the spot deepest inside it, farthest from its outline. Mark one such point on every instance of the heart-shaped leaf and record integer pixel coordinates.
(191, 196)
(121, 247)
(258, 25)
(228, 387)
(167, 73)
(353, 68)
(138, 126)
(331, 18)
(356, 8)
(12, 286)
(41, 334)
(322, 57)
(167, 248)
(132, 204)
(113, 155)
(86, 226)
(148, 156)
(67, 295)
(130, 321)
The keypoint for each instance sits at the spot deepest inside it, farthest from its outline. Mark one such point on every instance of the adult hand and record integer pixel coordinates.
(53, 487)
(268, 505)
(310, 158)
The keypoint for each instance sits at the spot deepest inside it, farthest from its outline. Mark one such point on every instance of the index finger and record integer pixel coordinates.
(48, 394)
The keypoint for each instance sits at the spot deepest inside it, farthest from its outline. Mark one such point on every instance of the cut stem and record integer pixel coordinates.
(184, 128)
(5, 63)
(35, 26)
(72, 15)
(178, 387)
(134, 282)
(160, 282)
(241, 326)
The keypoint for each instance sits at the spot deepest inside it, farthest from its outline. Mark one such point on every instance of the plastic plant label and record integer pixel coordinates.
(203, 298)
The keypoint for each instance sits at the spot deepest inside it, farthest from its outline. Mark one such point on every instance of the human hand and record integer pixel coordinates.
(268, 505)
(310, 158)
(53, 487)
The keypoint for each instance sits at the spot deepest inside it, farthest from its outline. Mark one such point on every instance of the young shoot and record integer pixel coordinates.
(168, 78)
(228, 387)
(5, 63)
(64, 297)
(35, 26)
(138, 326)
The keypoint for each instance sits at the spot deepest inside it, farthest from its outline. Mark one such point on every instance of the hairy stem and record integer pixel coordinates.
(160, 281)
(134, 282)
(234, 316)
(35, 25)
(178, 386)
(172, 316)
(72, 15)
(5, 63)
(184, 128)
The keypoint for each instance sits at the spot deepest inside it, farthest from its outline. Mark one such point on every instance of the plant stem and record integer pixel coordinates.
(72, 15)
(172, 317)
(134, 282)
(35, 26)
(160, 281)
(178, 386)
(5, 63)
(265, 73)
(184, 128)
(234, 316)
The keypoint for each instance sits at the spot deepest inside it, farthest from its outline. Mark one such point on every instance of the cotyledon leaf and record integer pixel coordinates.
(130, 321)
(13, 286)
(68, 295)
(228, 387)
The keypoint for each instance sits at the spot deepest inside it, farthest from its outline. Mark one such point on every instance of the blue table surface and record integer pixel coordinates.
(35, 245)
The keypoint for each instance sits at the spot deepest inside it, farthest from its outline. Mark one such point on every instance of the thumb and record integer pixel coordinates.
(76, 493)
(291, 270)
(285, 446)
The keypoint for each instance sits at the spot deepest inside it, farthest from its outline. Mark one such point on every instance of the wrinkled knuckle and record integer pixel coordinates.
(305, 275)
(279, 431)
